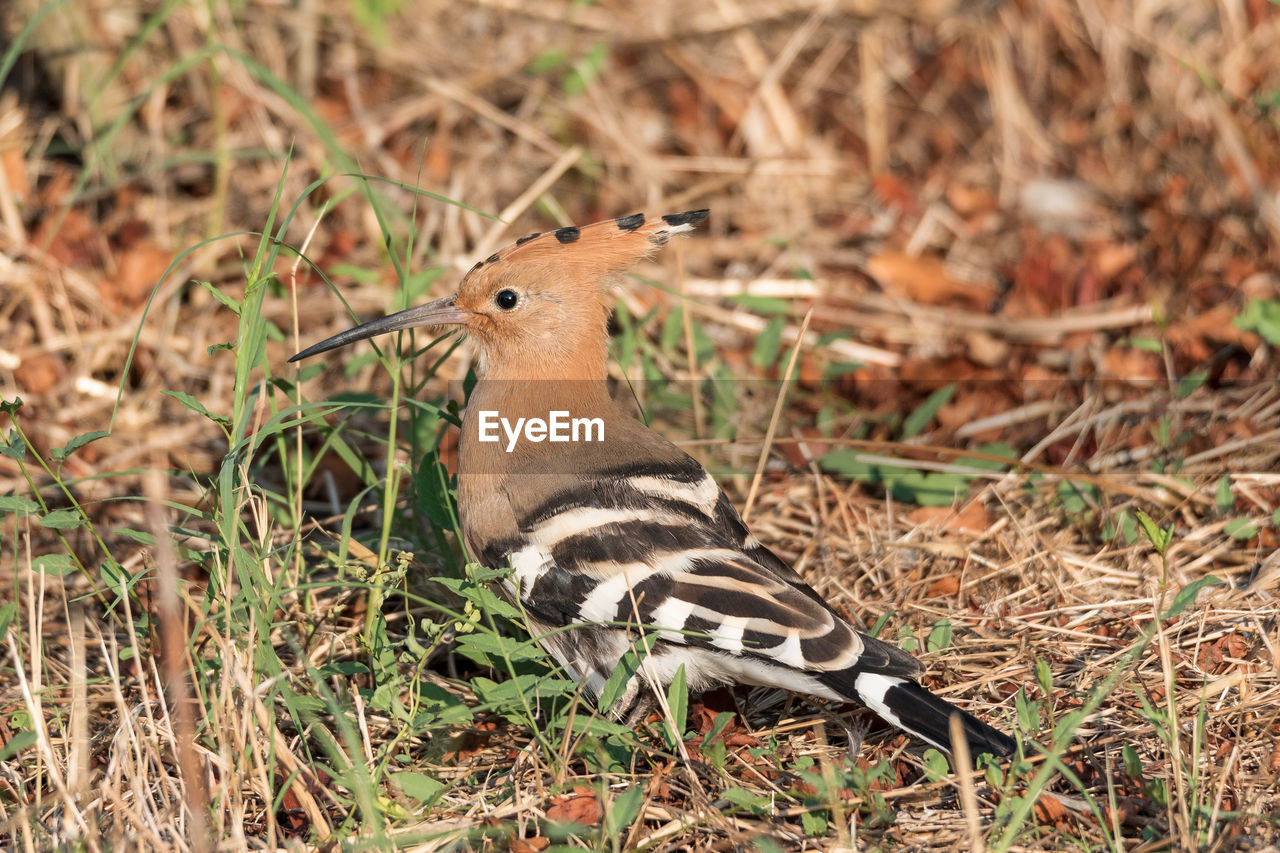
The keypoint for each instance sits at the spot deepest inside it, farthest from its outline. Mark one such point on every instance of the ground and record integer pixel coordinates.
(1000, 282)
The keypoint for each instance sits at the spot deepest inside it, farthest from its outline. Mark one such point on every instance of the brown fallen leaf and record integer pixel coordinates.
(971, 519)
(1049, 810)
(895, 193)
(39, 373)
(15, 172)
(924, 279)
(950, 585)
(583, 809)
(140, 270)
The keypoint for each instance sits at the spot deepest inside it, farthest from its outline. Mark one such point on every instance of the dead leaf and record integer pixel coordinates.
(942, 587)
(139, 272)
(1049, 810)
(464, 745)
(924, 279)
(986, 349)
(971, 519)
(583, 809)
(529, 845)
(440, 154)
(38, 374)
(74, 243)
(15, 172)
(1112, 259)
(1128, 363)
(896, 194)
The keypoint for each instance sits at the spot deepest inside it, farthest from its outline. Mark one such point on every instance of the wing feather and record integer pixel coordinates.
(658, 544)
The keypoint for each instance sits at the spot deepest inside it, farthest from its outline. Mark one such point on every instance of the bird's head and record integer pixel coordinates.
(538, 308)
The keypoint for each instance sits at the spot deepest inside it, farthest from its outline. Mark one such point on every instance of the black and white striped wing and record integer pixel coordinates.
(659, 545)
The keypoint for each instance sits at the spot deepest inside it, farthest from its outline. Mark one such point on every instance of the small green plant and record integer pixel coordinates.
(1262, 317)
(936, 485)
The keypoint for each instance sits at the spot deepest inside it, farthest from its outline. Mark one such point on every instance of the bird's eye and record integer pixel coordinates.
(506, 299)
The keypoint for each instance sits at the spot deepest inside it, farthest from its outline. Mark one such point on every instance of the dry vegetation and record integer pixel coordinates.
(1046, 231)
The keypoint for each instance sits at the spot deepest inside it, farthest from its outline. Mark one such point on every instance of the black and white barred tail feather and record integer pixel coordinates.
(915, 710)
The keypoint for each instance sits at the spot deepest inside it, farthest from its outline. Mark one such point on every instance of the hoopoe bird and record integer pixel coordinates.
(627, 534)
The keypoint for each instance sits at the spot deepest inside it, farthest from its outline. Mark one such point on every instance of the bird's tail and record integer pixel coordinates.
(916, 711)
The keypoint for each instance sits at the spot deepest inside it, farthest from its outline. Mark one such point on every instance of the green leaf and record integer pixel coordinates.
(672, 330)
(10, 407)
(1027, 710)
(1132, 763)
(769, 343)
(531, 685)
(678, 701)
(1044, 677)
(548, 60)
(142, 537)
(767, 306)
(586, 69)
(8, 612)
(1187, 595)
(62, 519)
(57, 565)
(940, 637)
(850, 463)
(722, 720)
(345, 668)
(936, 766)
(230, 302)
(15, 448)
(1224, 499)
(616, 684)
(994, 448)
(623, 811)
(1144, 344)
(756, 803)
(479, 645)
(14, 745)
(1261, 316)
(78, 442)
(907, 640)
(419, 786)
(1241, 528)
(1123, 525)
(880, 622)
(837, 369)
(926, 488)
(194, 405)
(995, 776)
(814, 823)
(18, 504)
(916, 422)
(1076, 497)
(1189, 383)
(1158, 536)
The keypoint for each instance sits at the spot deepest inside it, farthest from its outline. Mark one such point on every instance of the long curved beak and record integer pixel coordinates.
(439, 313)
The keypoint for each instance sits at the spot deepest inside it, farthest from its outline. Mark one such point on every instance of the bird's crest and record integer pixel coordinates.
(585, 254)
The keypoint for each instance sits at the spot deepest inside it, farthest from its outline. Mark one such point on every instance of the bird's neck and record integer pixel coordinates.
(510, 395)
(556, 356)
(525, 397)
